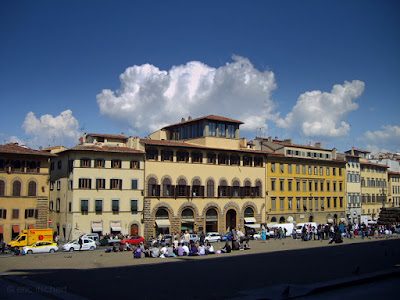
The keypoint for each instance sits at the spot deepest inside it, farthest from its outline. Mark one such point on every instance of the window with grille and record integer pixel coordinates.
(85, 163)
(135, 164)
(116, 163)
(116, 184)
(100, 183)
(99, 163)
(98, 206)
(16, 188)
(15, 213)
(134, 207)
(85, 183)
(84, 207)
(115, 206)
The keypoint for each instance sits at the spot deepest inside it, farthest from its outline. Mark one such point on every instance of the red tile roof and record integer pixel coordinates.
(373, 164)
(105, 149)
(209, 117)
(110, 136)
(14, 148)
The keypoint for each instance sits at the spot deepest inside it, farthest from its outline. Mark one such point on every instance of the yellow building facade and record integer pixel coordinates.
(24, 189)
(304, 183)
(394, 189)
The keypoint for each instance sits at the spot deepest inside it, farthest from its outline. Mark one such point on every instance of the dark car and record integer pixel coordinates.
(134, 240)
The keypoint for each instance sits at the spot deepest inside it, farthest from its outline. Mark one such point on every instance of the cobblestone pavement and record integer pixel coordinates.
(269, 264)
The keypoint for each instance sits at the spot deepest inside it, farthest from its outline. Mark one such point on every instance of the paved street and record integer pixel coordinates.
(268, 267)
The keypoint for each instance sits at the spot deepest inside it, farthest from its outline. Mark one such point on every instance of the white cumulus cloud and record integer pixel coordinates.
(388, 137)
(150, 98)
(50, 131)
(322, 114)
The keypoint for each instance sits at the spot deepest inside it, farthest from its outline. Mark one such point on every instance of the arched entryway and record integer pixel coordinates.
(187, 220)
(231, 219)
(162, 221)
(311, 219)
(282, 220)
(212, 220)
(134, 230)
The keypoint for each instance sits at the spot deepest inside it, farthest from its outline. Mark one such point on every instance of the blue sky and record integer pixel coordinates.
(312, 71)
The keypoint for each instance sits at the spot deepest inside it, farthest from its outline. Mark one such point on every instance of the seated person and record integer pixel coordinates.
(227, 248)
(181, 250)
(194, 250)
(185, 249)
(155, 252)
(210, 249)
(170, 251)
(202, 249)
(137, 252)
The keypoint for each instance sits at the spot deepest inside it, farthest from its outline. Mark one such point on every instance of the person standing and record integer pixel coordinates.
(186, 238)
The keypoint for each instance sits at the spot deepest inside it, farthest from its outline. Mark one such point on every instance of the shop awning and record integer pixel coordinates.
(250, 220)
(187, 220)
(31, 226)
(343, 220)
(1, 229)
(163, 223)
(98, 226)
(116, 226)
(330, 220)
(255, 226)
(15, 228)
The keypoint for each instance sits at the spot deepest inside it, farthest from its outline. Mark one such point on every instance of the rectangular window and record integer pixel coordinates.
(328, 171)
(290, 203)
(281, 168)
(334, 202)
(3, 213)
(211, 158)
(298, 186)
(298, 204)
(334, 171)
(99, 163)
(135, 164)
(58, 204)
(116, 184)
(182, 156)
(304, 186)
(273, 167)
(315, 170)
(84, 207)
(304, 170)
(328, 186)
(321, 186)
(100, 184)
(273, 185)
(58, 185)
(282, 203)
(30, 213)
(221, 130)
(273, 203)
(98, 206)
(316, 186)
(321, 171)
(134, 207)
(309, 170)
(115, 206)
(290, 182)
(289, 168)
(51, 185)
(116, 163)
(85, 163)
(167, 155)
(85, 183)
(316, 204)
(231, 131)
(281, 185)
(134, 184)
(322, 204)
(15, 213)
(297, 169)
(212, 127)
(69, 206)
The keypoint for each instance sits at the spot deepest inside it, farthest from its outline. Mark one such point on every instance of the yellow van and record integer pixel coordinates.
(30, 236)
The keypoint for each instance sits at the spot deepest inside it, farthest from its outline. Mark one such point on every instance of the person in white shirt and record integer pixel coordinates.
(185, 249)
(202, 249)
(210, 249)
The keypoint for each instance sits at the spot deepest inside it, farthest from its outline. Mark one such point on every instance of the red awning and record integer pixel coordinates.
(31, 226)
(15, 228)
(1, 229)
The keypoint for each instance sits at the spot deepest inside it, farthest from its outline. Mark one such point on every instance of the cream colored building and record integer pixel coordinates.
(97, 187)
(394, 189)
(200, 176)
(353, 189)
(24, 189)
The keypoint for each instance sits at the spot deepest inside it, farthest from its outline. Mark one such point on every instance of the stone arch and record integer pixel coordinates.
(235, 179)
(196, 178)
(152, 176)
(247, 180)
(162, 205)
(211, 205)
(221, 180)
(231, 205)
(188, 204)
(134, 223)
(252, 205)
(273, 219)
(180, 178)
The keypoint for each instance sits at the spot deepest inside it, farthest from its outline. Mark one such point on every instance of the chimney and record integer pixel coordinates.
(189, 118)
(289, 141)
(123, 133)
(318, 145)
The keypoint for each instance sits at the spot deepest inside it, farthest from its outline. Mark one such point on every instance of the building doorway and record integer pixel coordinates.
(230, 219)
(134, 230)
(211, 220)
(187, 220)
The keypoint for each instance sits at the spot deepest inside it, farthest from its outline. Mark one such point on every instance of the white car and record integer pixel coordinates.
(87, 244)
(41, 247)
(213, 237)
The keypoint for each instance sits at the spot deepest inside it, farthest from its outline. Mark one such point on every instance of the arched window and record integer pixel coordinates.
(223, 188)
(249, 212)
(258, 188)
(162, 213)
(197, 190)
(182, 189)
(153, 188)
(210, 188)
(168, 189)
(187, 213)
(236, 189)
(247, 188)
(282, 220)
(16, 188)
(32, 188)
(2, 188)
(273, 220)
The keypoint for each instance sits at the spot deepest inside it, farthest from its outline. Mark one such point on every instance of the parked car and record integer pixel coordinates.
(257, 236)
(213, 237)
(227, 236)
(194, 237)
(93, 236)
(87, 244)
(41, 247)
(134, 240)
